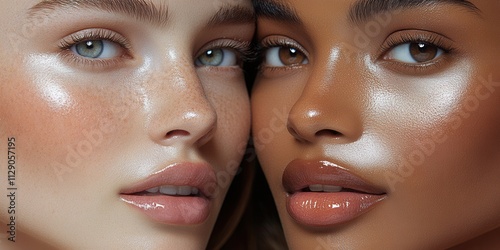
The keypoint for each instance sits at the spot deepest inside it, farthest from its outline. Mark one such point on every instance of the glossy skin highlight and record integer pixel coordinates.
(87, 129)
(425, 133)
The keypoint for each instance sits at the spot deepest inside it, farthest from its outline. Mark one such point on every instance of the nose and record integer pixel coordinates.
(180, 111)
(329, 107)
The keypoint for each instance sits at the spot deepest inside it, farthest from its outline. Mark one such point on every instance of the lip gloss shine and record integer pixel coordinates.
(345, 195)
(187, 209)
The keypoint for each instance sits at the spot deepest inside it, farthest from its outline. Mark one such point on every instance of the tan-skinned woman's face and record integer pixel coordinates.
(128, 118)
(377, 122)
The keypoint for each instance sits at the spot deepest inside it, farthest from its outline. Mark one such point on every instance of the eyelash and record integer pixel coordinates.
(99, 34)
(418, 38)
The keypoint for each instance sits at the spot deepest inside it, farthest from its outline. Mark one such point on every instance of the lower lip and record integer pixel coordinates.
(327, 209)
(177, 210)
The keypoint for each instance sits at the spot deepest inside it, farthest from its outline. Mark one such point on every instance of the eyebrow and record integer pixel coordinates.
(363, 10)
(274, 10)
(230, 14)
(139, 9)
(142, 10)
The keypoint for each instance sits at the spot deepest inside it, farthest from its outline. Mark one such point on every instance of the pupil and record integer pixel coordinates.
(90, 45)
(213, 57)
(90, 48)
(290, 56)
(423, 52)
(422, 47)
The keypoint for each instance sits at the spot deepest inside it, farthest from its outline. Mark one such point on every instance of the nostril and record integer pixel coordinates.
(292, 132)
(176, 133)
(328, 133)
(296, 135)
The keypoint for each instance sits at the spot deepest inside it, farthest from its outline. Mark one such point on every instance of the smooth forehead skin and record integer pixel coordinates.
(87, 130)
(427, 136)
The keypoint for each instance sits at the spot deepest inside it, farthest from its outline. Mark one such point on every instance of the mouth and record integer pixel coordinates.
(171, 191)
(321, 193)
(179, 194)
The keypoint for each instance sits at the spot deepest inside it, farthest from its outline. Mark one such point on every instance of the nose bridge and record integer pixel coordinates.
(180, 110)
(330, 101)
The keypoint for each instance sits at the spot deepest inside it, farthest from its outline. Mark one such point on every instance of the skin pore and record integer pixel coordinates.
(102, 95)
(396, 100)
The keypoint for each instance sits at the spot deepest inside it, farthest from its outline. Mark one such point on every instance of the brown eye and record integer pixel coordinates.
(284, 56)
(423, 52)
(415, 52)
(291, 56)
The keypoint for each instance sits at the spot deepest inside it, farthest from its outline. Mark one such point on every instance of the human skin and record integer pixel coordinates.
(87, 131)
(422, 133)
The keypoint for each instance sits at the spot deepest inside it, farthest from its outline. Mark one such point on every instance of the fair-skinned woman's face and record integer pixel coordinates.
(377, 122)
(130, 119)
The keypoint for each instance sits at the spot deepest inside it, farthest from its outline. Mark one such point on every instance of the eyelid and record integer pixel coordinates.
(94, 34)
(277, 41)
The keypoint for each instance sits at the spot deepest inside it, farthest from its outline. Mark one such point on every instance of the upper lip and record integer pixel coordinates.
(198, 175)
(300, 174)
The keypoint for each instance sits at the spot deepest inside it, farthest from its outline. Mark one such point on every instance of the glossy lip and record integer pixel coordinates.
(322, 208)
(177, 210)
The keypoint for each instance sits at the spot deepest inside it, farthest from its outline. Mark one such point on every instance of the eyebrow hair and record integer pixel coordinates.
(230, 14)
(275, 10)
(366, 9)
(139, 9)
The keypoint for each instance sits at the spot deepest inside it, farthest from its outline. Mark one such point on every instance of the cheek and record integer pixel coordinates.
(456, 126)
(58, 146)
(272, 100)
(272, 142)
(443, 166)
(228, 96)
(233, 114)
(57, 123)
(410, 120)
(37, 114)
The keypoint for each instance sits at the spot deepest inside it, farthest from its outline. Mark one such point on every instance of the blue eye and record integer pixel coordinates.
(415, 52)
(96, 49)
(282, 56)
(217, 58)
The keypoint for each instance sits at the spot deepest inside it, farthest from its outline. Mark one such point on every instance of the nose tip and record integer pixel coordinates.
(196, 128)
(307, 133)
(308, 124)
(194, 137)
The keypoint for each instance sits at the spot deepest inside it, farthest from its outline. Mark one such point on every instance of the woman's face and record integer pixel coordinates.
(377, 122)
(129, 119)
